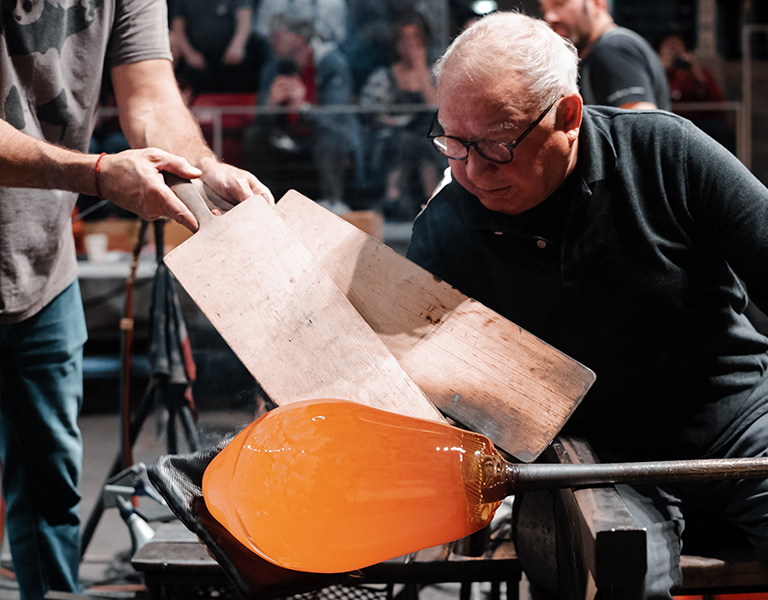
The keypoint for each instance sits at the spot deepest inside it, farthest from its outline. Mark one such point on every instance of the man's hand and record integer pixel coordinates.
(133, 180)
(194, 59)
(234, 54)
(287, 90)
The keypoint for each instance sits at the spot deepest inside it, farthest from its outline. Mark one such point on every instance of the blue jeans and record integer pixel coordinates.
(41, 391)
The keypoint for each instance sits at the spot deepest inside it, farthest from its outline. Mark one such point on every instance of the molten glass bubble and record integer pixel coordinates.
(329, 486)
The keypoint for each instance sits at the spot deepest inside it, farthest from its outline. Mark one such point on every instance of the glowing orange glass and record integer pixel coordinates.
(332, 486)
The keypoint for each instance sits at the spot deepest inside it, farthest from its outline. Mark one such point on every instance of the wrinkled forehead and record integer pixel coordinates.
(481, 105)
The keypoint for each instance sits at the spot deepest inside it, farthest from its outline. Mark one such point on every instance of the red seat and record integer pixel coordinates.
(223, 100)
(232, 125)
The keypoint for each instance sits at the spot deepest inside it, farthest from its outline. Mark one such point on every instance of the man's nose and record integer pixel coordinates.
(476, 167)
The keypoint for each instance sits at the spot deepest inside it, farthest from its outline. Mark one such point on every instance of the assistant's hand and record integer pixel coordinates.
(133, 180)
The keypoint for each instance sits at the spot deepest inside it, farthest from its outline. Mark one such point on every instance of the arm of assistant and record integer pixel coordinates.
(32, 163)
(639, 106)
(153, 116)
(27, 162)
(622, 76)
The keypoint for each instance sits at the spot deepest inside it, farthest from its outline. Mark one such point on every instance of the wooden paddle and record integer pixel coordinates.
(476, 366)
(281, 314)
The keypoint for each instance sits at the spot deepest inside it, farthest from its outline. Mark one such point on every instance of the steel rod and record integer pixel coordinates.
(528, 477)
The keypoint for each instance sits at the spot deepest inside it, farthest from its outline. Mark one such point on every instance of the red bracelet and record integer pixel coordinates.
(96, 175)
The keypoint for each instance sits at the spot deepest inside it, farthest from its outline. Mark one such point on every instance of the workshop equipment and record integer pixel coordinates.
(119, 492)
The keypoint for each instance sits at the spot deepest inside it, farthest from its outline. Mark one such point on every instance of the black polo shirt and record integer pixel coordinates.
(631, 268)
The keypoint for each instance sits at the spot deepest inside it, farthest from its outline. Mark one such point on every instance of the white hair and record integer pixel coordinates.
(510, 44)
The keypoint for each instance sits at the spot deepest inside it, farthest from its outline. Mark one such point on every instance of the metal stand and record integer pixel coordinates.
(172, 371)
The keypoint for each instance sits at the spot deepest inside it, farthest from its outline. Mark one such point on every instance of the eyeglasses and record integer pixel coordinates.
(498, 152)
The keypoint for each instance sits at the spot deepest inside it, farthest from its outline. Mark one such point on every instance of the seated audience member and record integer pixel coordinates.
(369, 42)
(691, 82)
(401, 156)
(626, 239)
(214, 47)
(317, 153)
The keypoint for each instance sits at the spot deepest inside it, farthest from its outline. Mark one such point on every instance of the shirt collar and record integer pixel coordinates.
(597, 154)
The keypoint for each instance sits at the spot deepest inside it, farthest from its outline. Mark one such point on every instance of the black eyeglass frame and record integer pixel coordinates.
(510, 146)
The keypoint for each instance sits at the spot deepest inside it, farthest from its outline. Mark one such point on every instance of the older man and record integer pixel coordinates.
(622, 238)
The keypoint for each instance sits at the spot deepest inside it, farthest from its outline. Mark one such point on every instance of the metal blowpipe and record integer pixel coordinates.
(502, 478)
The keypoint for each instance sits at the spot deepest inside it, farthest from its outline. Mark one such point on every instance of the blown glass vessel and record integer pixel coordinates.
(331, 486)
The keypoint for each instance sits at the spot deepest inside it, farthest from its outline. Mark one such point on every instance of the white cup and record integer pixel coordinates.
(96, 245)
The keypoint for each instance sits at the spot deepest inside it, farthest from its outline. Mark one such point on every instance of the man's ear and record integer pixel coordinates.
(569, 115)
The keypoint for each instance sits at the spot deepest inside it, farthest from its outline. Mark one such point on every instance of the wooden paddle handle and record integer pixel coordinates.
(191, 198)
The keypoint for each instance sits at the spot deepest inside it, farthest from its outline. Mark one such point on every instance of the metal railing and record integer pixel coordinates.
(214, 116)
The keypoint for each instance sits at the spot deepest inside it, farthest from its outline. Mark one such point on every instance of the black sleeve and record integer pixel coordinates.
(616, 73)
(731, 209)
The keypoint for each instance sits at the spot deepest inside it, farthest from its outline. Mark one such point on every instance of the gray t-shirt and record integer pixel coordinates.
(51, 63)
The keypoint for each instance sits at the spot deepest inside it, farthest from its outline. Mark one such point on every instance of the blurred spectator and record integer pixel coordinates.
(689, 81)
(329, 18)
(317, 153)
(369, 42)
(617, 66)
(214, 47)
(400, 152)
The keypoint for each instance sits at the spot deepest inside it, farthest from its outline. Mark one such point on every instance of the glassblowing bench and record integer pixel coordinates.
(174, 561)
